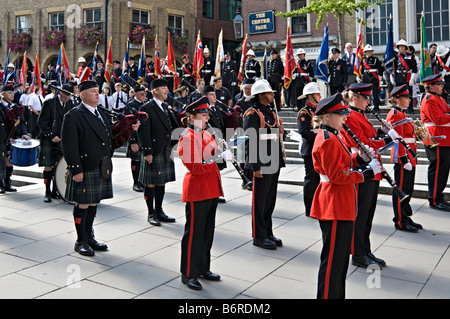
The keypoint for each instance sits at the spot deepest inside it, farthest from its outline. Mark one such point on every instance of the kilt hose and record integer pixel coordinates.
(49, 153)
(159, 172)
(91, 190)
(2, 169)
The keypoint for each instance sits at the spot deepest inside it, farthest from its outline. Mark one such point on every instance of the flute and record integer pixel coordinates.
(384, 173)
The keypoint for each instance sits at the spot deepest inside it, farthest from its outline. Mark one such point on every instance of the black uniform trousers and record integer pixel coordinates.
(198, 237)
(438, 171)
(367, 202)
(404, 179)
(370, 78)
(334, 258)
(312, 180)
(263, 203)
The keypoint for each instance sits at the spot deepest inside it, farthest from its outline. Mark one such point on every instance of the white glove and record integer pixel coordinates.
(393, 134)
(227, 155)
(391, 77)
(408, 166)
(358, 79)
(364, 156)
(412, 81)
(294, 76)
(375, 166)
(384, 128)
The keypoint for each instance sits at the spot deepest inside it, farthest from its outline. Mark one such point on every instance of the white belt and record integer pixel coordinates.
(324, 178)
(250, 71)
(372, 70)
(433, 124)
(272, 136)
(410, 140)
(304, 74)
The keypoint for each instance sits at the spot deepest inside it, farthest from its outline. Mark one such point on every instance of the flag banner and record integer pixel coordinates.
(7, 74)
(389, 55)
(425, 59)
(289, 65)
(357, 68)
(266, 77)
(36, 75)
(24, 70)
(123, 76)
(241, 73)
(220, 55)
(172, 64)
(62, 67)
(141, 65)
(198, 58)
(321, 71)
(94, 62)
(109, 63)
(157, 62)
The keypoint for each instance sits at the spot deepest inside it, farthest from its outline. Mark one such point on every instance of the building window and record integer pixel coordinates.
(208, 9)
(227, 9)
(92, 17)
(141, 17)
(23, 24)
(176, 25)
(436, 14)
(299, 23)
(56, 21)
(377, 19)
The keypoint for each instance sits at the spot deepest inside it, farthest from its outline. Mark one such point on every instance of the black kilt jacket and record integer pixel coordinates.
(51, 117)
(85, 139)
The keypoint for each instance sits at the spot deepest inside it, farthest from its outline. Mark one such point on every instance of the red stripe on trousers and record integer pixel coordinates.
(436, 175)
(330, 259)
(399, 205)
(191, 234)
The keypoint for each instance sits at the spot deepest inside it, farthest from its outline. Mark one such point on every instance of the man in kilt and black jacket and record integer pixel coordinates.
(157, 167)
(50, 122)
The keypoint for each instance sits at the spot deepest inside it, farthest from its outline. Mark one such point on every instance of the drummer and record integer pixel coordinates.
(49, 122)
(14, 130)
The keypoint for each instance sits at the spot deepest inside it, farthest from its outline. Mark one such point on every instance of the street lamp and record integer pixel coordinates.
(238, 24)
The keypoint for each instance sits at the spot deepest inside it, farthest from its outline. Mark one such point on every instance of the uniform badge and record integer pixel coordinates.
(346, 172)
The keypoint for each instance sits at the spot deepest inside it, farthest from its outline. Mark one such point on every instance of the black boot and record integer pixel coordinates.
(91, 213)
(81, 245)
(47, 181)
(2, 186)
(8, 186)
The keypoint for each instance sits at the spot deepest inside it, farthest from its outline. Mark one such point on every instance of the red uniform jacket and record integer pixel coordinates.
(203, 180)
(434, 112)
(83, 74)
(336, 196)
(406, 131)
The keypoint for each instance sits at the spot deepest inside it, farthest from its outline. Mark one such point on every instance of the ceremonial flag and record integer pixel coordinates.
(109, 63)
(357, 68)
(266, 77)
(16, 70)
(94, 63)
(157, 63)
(289, 65)
(243, 60)
(219, 55)
(321, 71)
(425, 59)
(141, 65)
(62, 67)
(172, 64)
(6, 75)
(198, 57)
(123, 76)
(389, 55)
(36, 75)
(24, 70)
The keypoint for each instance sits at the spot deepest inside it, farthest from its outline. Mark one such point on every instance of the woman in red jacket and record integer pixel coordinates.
(202, 187)
(335, 200)
(404, 162)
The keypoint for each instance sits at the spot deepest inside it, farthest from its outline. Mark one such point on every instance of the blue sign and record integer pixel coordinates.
(261, 22)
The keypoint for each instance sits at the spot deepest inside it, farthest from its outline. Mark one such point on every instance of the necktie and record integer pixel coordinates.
(98, 115)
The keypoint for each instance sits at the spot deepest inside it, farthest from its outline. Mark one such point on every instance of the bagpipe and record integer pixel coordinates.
(12, 113)
(122, 127)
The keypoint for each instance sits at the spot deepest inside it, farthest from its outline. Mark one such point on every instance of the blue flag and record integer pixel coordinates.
(59, 66)
(321, 72)
(141, 66)
(125, 63)
(6, 75)
(389, 55)
(94, 63)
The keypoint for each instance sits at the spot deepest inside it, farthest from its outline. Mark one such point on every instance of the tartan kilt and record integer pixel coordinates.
(159, 172)
(49, 153)
(2, 169)
(91, 190)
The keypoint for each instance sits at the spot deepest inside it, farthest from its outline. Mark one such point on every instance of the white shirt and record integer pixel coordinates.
(49, 96)
(35, 102)
(159, 103)
(120, 104)
(105, 99)
(23, 99)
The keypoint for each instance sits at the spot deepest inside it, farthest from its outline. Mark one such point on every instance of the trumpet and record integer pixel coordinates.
(423, 134)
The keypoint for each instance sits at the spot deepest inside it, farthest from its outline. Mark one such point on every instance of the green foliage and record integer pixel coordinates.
(338, 8)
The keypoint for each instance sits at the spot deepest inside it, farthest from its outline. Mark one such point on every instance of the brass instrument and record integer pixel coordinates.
(423, 134)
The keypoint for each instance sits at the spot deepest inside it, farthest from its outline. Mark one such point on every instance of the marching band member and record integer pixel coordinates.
(265, 157)
(405, 164)
(442, 67)
(359, 95)
(435, 114)
(334, 203)
(311, 95)
(372, 69)
(202, 186)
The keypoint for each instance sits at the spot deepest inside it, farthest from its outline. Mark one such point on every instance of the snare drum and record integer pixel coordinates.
(24, 152)
(61, 178)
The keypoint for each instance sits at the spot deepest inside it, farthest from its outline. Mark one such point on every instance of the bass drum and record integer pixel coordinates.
(61, 178)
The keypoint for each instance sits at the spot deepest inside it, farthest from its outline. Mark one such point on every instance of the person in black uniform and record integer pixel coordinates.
(337, 70)
(157, 167)
(208, 67)
(116, 74)
(312, 97)
(51, 77)
(265, 142)
(87, 146)
(4, 132)
(252, 66)
(50, 122)
(223, 95)
(303, 74)
(149, 69)
(372, 70)
(442, 67)
(198, 93)
(229, 74)
(187, 78)
(99, 76)
(132, 70)
(275, 72)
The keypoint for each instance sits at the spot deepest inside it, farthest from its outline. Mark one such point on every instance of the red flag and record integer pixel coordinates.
(357, 68)
(243, 60)
(171, 64)
(198, 58)
(24, 70)
(36, 75)
(157, 62)
(108, 64)
(289, 65)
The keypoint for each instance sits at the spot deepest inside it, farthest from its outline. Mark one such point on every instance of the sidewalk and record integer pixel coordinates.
(37, 259)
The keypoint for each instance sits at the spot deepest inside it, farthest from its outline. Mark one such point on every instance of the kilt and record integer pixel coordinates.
(2, 169)
(91, 190)
(159, 172)
(49, 153)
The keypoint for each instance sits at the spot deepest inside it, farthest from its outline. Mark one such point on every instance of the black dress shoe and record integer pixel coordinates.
(153, 220)
(410, 221)
(379, 261)
(264, 243)
(164, 218)
(222, 200)
(191, 282)
(9, 188)
(138, 188)
(95, 245)
(248, 187)
(407, 228)
(84, 249)
(47, 199)
(210, 276)
(441, 206)
(363, 261)
(277, 241)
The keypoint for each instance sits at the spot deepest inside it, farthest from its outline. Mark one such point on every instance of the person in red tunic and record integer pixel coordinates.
(404, 162)
(359, 99)
(84, 72)
(335, 200)
(202, 187)
(435, 114)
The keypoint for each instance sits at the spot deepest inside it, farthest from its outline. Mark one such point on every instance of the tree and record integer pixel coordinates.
(339, 8)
